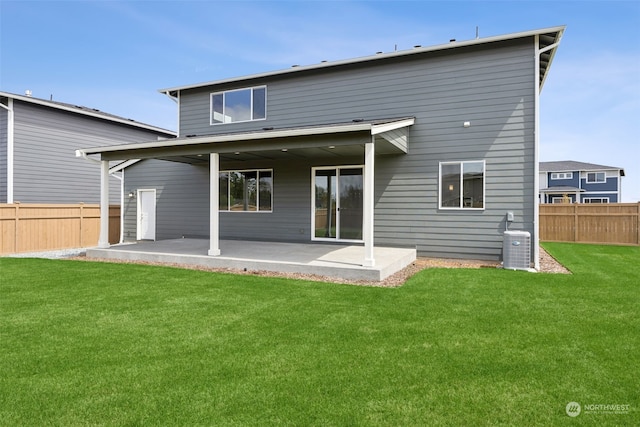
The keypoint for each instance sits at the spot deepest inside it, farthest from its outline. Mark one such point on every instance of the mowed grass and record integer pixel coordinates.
(84, 343)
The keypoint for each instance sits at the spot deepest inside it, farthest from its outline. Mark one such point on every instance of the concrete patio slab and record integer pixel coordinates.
(332, 260)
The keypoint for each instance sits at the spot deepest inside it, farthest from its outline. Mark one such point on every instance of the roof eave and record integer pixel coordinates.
(374, 127)
(173, 91)
(120, 120)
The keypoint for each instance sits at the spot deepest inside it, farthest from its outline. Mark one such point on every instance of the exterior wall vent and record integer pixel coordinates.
(516, 250)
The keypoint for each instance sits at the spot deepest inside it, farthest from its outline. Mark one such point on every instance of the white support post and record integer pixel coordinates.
(103, 240)
(214, 189)
(367, 225)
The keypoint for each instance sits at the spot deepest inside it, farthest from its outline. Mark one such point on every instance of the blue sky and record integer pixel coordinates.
(115, 55)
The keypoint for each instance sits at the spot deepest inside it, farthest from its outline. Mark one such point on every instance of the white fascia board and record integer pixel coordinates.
(408, 52)
(87, 113)
(123, 165)
(285, 133)
(386, 127)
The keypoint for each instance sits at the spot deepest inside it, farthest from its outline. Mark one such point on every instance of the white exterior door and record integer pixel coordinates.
(146, 215)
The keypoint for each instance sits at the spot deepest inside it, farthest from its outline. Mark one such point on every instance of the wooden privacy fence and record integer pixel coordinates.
(610, 223)
(44, 227)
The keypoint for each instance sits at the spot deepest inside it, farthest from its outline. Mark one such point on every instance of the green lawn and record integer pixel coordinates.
(85, 343)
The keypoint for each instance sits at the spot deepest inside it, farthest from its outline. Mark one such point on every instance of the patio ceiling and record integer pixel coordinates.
(337, 139)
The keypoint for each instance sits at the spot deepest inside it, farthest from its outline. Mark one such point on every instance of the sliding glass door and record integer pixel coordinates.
(337, 213)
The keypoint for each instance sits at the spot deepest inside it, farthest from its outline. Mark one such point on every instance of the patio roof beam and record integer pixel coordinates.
(391, 130)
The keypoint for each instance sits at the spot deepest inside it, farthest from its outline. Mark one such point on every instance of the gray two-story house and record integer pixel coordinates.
(38, 139)
(427, 148)
(569, 181)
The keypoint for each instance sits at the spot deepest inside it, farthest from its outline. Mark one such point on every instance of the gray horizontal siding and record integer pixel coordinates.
(431, 89)
(493, 88)
(182, 198)
(45, 167)
(3, 154)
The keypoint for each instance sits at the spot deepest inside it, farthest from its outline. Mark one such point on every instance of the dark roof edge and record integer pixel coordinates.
(172, 91)
(87, 112)
(573, 165)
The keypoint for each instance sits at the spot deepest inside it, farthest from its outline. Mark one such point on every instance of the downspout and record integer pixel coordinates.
(536, 155)
(536, 149)
(121, 178)
(10, 145)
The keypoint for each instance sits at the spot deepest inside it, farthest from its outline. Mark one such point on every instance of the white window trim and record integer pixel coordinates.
(561, 175)
(596, 181)
(558, 200)
(258, 195)
(589, 199)
(252, 88)
(484, 185)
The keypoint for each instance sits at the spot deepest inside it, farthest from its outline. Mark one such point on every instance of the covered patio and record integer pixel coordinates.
(330, 260)
(353, 259)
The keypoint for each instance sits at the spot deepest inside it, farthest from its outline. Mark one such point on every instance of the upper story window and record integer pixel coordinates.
(562, 175)
(462, 185)
(241, 105)
(596, 177)
(595, 200)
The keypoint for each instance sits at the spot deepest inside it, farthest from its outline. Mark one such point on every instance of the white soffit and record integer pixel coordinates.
(375, 127)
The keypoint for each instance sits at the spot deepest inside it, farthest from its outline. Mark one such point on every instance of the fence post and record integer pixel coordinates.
(16, 234)
(638, 224)
(81, 224)
(575, 222)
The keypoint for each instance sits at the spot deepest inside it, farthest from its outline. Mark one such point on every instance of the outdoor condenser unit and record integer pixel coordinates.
(516, 250)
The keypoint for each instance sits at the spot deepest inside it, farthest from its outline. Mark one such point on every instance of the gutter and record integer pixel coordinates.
(10, 147)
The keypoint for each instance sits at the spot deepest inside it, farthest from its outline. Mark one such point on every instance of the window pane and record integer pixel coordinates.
(473, 183)
(251, 190)
(217, 109)
(325, 206)
(224, 192)
(351, 203)
(266, 184)
(259, 103)
(237, 105)
(450, 185)
(236, 191)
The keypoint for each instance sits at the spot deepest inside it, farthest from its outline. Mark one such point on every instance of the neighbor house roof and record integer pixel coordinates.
(570, 166)
(86, 111)
(548, 41)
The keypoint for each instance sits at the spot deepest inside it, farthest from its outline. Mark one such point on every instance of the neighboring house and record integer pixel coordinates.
(38, 139)
(578, 182)
(427, 148)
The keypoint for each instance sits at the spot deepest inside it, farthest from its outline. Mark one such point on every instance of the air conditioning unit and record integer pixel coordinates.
(516, 250)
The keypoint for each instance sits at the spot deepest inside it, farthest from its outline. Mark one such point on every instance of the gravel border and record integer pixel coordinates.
(547, 265)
